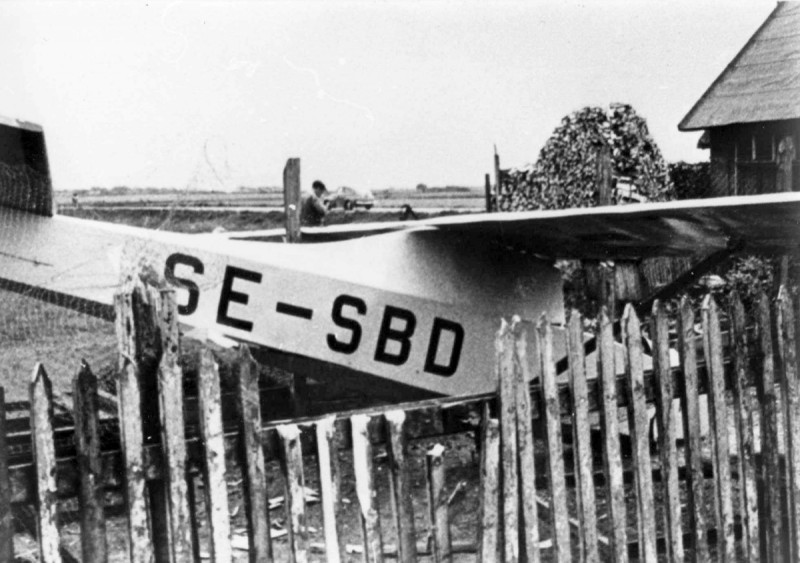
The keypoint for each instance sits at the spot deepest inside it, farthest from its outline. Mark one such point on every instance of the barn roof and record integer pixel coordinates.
(762, 83)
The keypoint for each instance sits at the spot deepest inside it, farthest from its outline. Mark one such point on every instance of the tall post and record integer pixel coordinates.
(497, 185)
(488, 194)
(291, 199)
(786, 156)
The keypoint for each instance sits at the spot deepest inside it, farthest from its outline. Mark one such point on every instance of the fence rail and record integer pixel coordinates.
(568, 467)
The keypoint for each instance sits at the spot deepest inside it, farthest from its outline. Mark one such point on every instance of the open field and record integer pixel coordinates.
(472, 200)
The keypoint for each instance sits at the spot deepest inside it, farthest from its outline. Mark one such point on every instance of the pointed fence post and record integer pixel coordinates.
(216, 486)
(791, 397)
(173, 439)
(555, 446)
(743, 409)
(329, 477)
(667, 420)
(255, 493)
(609, 422)
(639, 423)
(718, 421)
(527, 464)
(584, 474)
(365, 488)
(770, 456)
(87, 441)
(400, 481)
(690, 405)
(437, 503)
(490, 491)
(504, 362)
(295, 492)
(131, 435)
(41, 395)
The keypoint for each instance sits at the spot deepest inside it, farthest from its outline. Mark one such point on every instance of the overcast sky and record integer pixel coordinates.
(379, 94)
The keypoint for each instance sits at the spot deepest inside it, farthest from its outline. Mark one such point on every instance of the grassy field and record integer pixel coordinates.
(472, 200)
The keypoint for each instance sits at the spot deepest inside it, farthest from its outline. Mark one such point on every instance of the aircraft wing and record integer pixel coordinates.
(760, 223)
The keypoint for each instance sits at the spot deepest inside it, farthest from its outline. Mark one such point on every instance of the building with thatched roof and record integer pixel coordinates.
(751, 112)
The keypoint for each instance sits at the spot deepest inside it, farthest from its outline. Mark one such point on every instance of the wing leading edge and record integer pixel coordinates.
(763, 223)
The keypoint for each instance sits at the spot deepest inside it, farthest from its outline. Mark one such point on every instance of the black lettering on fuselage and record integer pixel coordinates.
(439, 326)
(228, 296)
(352, 325)
(401, 336)
(196, 265)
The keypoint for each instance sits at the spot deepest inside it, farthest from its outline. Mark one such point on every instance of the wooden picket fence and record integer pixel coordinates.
(568, 468)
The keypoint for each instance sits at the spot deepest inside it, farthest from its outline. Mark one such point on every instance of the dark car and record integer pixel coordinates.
(349, 198)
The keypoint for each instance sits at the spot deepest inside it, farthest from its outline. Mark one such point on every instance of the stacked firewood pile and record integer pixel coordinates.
(565, 174)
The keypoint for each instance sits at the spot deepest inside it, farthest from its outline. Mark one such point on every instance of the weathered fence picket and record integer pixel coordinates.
(770, 456)
(639, 425)
(790, 388)
(365, 489)
(718, 418)
(667, 420)
(743, 405)
(329, 482)
(558, 484)
(489, 545)
(525, 448)
(610, 427)
(87, 442)
(216, 485)
(400, 483)
(44, 449)
(173, 439)
(693, 446)
(255, 490)
(437, 504)
(504, 357)
(584, 462)
(140, 543)
(295, 487)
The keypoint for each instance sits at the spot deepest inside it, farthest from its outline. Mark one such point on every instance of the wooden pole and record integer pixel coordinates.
(497, 185)
(291, 199)
(488, 194)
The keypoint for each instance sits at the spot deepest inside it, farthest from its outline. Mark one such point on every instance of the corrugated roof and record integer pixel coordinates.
(762, 83)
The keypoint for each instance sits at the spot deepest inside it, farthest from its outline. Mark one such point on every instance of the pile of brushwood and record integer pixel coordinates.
(565, 174)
